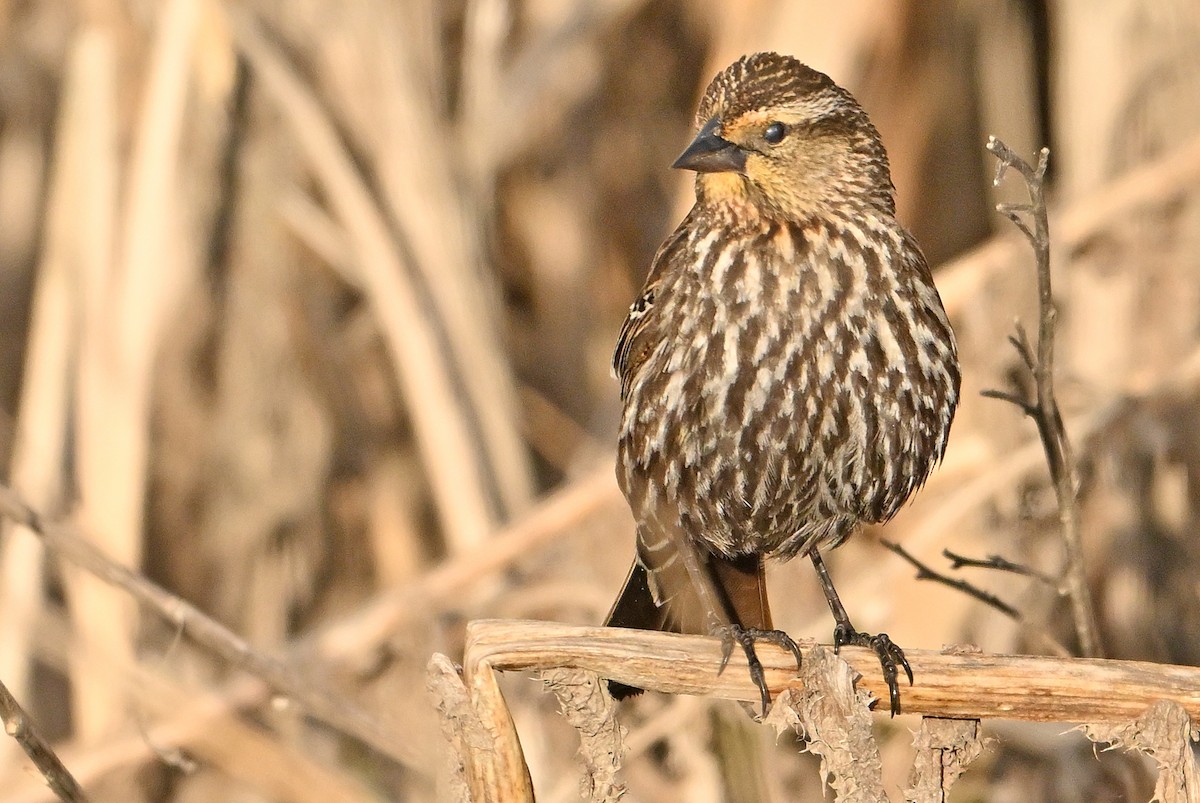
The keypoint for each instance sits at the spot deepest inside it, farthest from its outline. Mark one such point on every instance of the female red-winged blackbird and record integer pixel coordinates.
(788, 370)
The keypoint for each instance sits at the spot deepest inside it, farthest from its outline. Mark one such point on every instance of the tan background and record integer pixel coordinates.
(304, 303)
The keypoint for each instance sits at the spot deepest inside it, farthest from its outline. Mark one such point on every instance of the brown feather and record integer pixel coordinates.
(743, 584)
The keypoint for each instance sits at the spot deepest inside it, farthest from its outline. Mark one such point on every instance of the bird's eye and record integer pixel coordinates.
(774, 133)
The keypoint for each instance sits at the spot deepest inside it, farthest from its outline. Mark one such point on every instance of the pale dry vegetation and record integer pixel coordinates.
(306, 320)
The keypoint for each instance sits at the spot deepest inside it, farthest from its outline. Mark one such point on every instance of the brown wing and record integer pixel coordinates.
(636, 341)
(675, 585)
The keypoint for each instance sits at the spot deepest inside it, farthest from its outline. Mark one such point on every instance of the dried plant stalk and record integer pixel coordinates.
(1165, 732)
(836, 719)
(498, 774)
(944, 749)
(952, 685)
(18, 725)
(40, 437)
(479, 727)
(593, 714)
(461, 726)
(1043, 409)
(108, 410)
(442, 426)
(440, 227)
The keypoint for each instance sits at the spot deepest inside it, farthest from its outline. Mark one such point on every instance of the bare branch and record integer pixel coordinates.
(1013, 212)
(18, 725)
(1012, 398)
(1020, 342)
(924, 572)
(1045, 412)
(1043, 163)
(999, 563)
(1010, 158)
(958, 685)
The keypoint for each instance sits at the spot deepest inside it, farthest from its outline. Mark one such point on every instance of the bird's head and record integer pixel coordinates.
(784, 137)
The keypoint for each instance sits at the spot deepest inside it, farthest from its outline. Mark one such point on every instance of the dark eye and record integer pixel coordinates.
(774, 133)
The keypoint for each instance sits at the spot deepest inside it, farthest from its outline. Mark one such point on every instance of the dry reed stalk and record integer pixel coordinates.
(476, 721)
(39, 443)
(487, 24)
(461, 727)
(442, 224)
(127, 290)
(956, 685)
(311, 224)
(395, 531)
(440, 421)
(94, 709)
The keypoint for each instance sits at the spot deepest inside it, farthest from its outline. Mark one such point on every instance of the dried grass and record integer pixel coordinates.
(305, 304)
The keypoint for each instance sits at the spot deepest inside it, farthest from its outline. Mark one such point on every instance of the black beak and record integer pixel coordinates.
(708, 153)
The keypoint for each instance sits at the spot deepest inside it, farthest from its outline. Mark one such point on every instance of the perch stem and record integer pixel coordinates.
(1045, 411)
(963, 685)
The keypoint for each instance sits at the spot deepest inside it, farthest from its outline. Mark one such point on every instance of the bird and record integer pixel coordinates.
(788, 371)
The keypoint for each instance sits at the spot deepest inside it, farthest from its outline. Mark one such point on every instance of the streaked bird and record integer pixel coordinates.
(788, 371)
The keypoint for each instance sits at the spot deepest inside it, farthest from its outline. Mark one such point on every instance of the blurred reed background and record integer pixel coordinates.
(307, 309)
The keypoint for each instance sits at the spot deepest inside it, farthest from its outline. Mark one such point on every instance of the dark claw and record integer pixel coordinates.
(890, 658)
(745, 637)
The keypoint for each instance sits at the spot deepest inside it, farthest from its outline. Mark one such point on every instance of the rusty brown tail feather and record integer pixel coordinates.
(741, 587)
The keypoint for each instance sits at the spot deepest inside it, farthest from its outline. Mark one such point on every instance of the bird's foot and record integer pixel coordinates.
(746, 637)
(891, 657)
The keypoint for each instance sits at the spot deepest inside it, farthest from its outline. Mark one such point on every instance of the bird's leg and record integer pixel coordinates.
(744, 616)
(746, 637)
(891, 657)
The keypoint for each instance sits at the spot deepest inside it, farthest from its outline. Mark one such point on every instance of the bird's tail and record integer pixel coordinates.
(677, 588)
(635, 608)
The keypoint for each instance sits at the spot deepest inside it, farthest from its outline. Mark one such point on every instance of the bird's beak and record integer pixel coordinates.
(708, 153)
